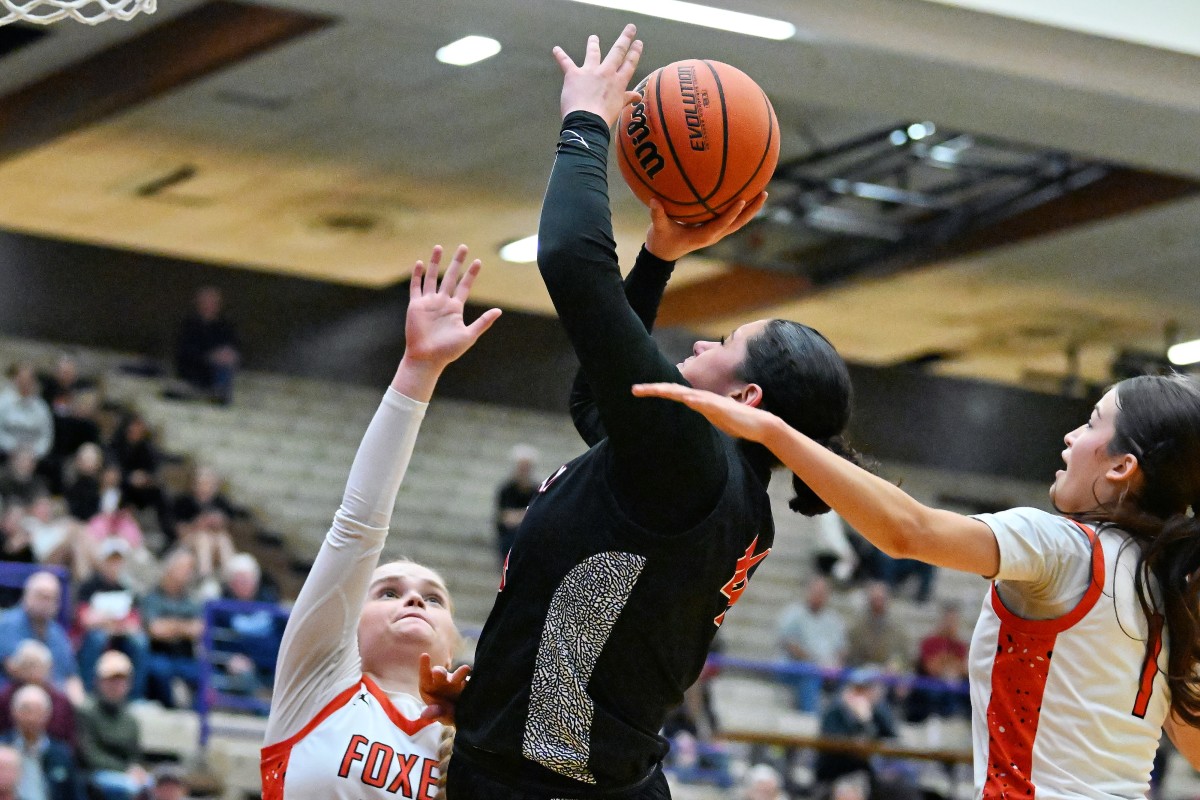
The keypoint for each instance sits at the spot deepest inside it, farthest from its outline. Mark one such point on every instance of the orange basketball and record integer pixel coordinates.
(703, 137)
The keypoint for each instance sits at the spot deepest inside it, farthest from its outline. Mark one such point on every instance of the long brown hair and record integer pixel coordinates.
(1158, 421)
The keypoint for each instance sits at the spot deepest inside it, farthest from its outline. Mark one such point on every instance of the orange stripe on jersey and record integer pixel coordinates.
(409, 726)
(1024, 650)
(1149, 666)
(274, 758)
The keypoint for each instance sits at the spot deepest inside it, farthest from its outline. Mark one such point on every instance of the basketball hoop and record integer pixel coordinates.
(89, 12)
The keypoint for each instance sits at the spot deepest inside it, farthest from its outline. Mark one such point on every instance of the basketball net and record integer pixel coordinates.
(89, 12)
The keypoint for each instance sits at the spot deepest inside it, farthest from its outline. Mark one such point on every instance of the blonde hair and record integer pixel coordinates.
(445, 750)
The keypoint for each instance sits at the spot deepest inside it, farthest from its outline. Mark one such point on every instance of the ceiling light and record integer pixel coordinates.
(1184, 353)
(706, 16)
(468, 50)
(522, 251)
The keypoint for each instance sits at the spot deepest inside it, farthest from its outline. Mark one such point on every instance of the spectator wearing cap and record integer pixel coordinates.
(108, 618)
(36, 618)
(110, 739)
(10, 772)
(169, 783)
(47, 766)
(31, 664)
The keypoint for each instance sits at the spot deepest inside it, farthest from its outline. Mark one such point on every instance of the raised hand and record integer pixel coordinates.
(434, 330)
(440, 689)
(671, 240)
(600, 85)
(737, 419)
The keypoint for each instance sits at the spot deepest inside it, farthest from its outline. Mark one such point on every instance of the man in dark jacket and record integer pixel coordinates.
(109, 736)
(47, 768)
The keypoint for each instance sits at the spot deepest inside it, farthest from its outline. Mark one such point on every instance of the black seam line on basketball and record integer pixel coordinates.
(724, 132)
(636, 172)
(770, 137)
(671, 145)
(771, 122)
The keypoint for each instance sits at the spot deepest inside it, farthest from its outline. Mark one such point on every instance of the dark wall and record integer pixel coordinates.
(119, 300)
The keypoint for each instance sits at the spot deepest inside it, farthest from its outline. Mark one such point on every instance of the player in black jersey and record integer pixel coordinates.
(630, 555)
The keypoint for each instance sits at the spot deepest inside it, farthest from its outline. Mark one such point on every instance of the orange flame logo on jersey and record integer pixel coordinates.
(734, 587)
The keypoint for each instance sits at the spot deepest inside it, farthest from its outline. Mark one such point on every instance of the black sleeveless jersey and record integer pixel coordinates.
(600, 626)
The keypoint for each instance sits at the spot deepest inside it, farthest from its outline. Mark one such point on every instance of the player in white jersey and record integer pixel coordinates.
(347, 719)
(1089, 638)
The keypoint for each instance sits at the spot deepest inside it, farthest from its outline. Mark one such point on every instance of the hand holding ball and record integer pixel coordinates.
(703, 137)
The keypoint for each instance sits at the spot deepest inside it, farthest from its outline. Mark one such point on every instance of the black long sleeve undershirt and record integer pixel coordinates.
(667, 466)
(644, 288)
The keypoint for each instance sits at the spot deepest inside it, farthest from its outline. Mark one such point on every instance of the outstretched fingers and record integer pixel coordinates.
(565, 62)
(450, 280)
(429, 283)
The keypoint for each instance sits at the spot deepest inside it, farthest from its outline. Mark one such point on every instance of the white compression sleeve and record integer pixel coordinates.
(318, 657)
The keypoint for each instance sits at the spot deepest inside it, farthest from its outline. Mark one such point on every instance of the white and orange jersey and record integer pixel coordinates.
(333, 733)
(364, 743)
(1068, 690)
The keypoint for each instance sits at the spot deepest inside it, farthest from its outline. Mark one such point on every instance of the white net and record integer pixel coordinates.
(89, 12)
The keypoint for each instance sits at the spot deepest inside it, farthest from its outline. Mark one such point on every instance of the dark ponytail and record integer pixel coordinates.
(806, 383)
(1158, 421)
(806, 501)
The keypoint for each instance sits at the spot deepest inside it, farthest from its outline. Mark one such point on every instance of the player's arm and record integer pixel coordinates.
(644, 288)
(319, 651)
(888, 517)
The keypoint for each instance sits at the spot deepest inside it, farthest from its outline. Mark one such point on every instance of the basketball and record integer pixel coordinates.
(703, 137)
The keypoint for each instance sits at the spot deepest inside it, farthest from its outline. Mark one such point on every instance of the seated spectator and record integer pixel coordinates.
(168, 783)
(833, 556)
(942, 655)
(876, 638)
(55, 537)
(207, 537)
(762, 782)
(245, 643)
(36, 618)
(207, 351)
(25, 419)
(19, 481)
(31, 664)
(173, 619)
(134, 451)
(243, 581)
(10, 772)
(812, 633)
(110, 739)
(108, 617)
(63, 385)
(115, 523)
(205, 495)
(15, 544)
(74, 427)
(858, 713)
(82, 482)
(47, 766)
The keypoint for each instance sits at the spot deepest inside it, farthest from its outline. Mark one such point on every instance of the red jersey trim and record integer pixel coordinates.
(409, 726)
(1056, 625)
(273, 759)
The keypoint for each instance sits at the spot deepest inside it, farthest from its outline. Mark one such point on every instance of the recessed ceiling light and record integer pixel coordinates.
(522, 251)
(1184, 353)
(468, 50)
(706, 16)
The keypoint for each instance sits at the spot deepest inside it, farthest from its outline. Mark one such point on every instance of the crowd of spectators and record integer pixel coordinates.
(112, 610)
